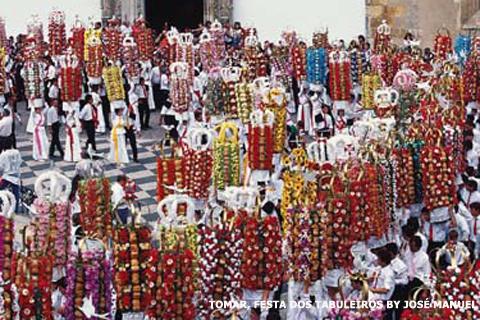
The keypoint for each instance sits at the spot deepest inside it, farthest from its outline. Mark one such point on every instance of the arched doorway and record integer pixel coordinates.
(179, 13)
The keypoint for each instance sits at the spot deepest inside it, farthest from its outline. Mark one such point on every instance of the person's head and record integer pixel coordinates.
(142, 81)
(425, 215)
(341, 112)
(471, 185)
(415, 244)
(54, 103)
(384, 257)
(357, 284)
(453, 236)
(98, 25)
(407, 232)
(392, 247)
(468, 145)
(414, 224)
(122, 179)
(325, 108)
(475, 209)
(361, 39)
(38, 109)
(119, 111)
(88, 98)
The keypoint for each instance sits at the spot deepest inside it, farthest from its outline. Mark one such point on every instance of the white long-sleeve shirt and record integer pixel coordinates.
(6, 127)
(385, 279)
(400, 271)
(418, 264)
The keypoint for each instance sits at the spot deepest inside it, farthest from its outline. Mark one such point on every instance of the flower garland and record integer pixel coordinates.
(260, 146)
(60, 239)
(339, 252)
(376, 199)
(33, 277)
(298, 58)
(219, 263)
(383, 64)
(175, 290)
(280, 66)
(226, 157)
(130, 57)
(213, 100)
(261, 260)
(471, 78)
(3, 34)
(135, 270)
(438, 176)
(70, 79)
(34, 86)
(443, 45)
(405, 177)
(360, 216)
(90, 274)
(218, 36)
(358, 65)
(77, 41)
(144, 39)
(256, 63)
(316, 65)
(56, 33)
(93, 54)
(180, 87)
(7, 292)
(170, 172)
(3, 72)
(230, 98)
(340, 81)
(382, 40)
(461, 284)
(299, 242)
(198, 172)
(112, 38)
(463, 47)
(206, 52)
(113, 83)
(95, 207)
(244, 97)
(277, 103)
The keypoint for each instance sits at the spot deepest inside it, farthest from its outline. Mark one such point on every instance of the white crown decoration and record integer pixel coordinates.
(168, 207)
(53, 186)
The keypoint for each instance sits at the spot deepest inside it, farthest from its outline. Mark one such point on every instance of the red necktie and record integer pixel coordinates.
(475, 228)
(94, 116)
(431, 231)
(144, 92)
(468, 200)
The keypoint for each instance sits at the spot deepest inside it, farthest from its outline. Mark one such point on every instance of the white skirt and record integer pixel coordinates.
(40, 144)
(73, 149)
(122, 154)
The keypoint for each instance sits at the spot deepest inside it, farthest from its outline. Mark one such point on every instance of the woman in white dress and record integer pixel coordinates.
(40, 140)
(118, 148)
(73, 149)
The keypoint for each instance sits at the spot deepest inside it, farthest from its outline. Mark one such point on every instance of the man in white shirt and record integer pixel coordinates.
(155, 79)
(5, 130)
(436, 233)
(383, 283)
(469, 193)
(400, 271)
(53, 91)
(474, 223)
(418, 263)
(88, 117)
(141, 90)
(11, 107)
(454, 253)
(118, 199)
(53, 124)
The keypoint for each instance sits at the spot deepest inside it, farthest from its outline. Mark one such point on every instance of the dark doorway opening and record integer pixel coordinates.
(178, 13)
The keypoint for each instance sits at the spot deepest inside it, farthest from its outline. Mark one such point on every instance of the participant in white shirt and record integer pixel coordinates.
(53, 124)
(6, 122)
(324, 120)
(469, 193)
(460, 222)
(383, 283)
(88, 116)
(40, 140)
(454, 252)
(436, 233)
(118, 199)
(474, 223)
(97, 103)
(418, 263)
(53, 91)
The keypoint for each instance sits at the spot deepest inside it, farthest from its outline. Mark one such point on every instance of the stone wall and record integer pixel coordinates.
(421, 17)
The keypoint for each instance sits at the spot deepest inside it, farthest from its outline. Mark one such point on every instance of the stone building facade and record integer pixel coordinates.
(423, 18)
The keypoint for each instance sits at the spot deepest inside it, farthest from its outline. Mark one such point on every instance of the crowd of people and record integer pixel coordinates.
(307, 172)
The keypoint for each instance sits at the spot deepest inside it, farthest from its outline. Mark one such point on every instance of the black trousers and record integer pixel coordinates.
(12, 136)
(144, 111)
(89, 127)
(130, 135)
(164, 98)
(5, 143)
(156, 96)
(55, 143)
(106, 111)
